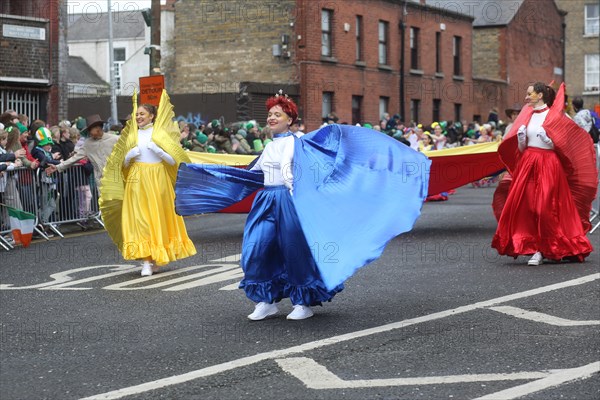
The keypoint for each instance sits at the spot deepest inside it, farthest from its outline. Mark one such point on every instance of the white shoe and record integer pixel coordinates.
(263, 310)
(536, 259)
(146, 268)
(300, 312)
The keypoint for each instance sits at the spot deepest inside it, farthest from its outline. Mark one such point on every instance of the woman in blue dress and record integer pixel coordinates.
(331, 200)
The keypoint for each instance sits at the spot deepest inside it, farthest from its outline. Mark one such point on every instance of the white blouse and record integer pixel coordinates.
(276, 162)
(147, 155)
(533, 128)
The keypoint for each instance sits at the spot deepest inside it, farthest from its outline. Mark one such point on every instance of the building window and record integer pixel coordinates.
(118, 61)
(457, 112)
(414, 48)
(415, 106)
(438, 52)
(327, 105)
(456, 54)
(383, 39)
(437, 105)
(384, 105)
(357, 110)
(326, 33)
(591, 19)
(592, 72)
(359, 38)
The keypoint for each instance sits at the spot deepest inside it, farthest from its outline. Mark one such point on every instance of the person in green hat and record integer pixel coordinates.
(42, 152)
(201, 140)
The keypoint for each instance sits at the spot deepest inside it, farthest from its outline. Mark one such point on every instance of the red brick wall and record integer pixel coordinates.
(345, 78)
(39, 59)
(536, 37)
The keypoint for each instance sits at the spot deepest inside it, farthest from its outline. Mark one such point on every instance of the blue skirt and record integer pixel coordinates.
(355, 189)
(276, 259)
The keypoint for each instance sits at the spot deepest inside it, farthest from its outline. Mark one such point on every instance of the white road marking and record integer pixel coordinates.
(315, 376)
(555, 379)
(230, 273)
(229, 259)
(62, 277)
(124, 285)
(282, 353)
(541, 317)
(233, 286)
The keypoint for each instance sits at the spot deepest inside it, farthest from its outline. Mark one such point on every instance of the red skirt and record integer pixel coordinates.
(539, 213)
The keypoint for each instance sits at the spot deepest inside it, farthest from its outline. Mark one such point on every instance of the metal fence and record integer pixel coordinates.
(70, 197)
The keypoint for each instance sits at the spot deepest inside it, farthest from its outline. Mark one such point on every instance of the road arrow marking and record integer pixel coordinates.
(541, 317)
(557, 378)
(316, 376)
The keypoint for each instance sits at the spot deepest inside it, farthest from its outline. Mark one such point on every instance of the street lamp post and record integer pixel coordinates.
(111, 55)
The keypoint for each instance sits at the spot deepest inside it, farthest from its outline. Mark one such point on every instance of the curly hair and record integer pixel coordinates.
(287, 105)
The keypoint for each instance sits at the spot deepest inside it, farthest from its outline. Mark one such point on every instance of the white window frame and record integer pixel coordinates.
(592, 72)
(117, 66)
(592, 24)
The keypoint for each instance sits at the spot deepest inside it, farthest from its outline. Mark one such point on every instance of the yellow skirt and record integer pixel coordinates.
(150, 226)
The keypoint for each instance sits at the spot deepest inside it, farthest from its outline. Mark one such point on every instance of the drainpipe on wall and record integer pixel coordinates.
(402, 48)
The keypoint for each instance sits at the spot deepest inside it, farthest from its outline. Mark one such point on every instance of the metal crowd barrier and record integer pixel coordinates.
(19, 193)
(70, 197)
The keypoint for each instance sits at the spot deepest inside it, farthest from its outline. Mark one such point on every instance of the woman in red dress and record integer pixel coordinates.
(546, 213)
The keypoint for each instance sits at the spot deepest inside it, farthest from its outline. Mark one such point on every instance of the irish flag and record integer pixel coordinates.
(22, 224)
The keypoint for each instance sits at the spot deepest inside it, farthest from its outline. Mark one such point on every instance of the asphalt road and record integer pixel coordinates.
(440, 315)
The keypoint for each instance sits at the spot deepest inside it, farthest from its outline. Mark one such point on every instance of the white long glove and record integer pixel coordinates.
(161, 153)
(522, 136)
(131, 155)
(544, 137)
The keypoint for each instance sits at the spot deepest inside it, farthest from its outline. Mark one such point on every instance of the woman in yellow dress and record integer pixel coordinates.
(138, 199)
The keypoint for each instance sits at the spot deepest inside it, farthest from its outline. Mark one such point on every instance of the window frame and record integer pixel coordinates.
(457, 56)
(326, 32)
(384, 106)
(326, 110)
(382, 43)
(357, 111)
(458, 112)
(414, 41)
(415, 110)
(359, 36)
(436, 110)
(590, 87)
(587, 20)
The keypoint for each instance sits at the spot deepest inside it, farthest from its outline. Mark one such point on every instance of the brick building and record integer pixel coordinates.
(582, 50)
(424, 59)
(383, 56)
(515, 43)
(33, 61)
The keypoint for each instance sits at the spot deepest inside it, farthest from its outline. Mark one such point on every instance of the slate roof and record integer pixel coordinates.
(94, 26)
(78, 71)
(485, 12)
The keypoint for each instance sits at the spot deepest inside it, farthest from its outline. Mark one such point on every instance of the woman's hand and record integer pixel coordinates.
(544, 137)
(161, 153)
(131, 155)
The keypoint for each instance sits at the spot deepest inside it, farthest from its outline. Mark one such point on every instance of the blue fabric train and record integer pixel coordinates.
(354, 190)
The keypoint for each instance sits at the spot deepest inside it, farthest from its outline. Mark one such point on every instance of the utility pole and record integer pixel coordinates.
(111, 61)
(155, 39)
